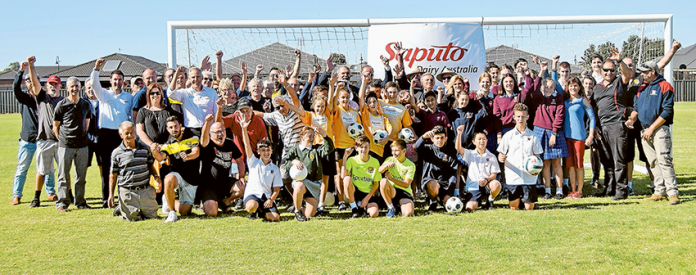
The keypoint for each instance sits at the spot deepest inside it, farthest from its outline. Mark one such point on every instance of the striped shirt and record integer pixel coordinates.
(289, 125)
(132, 166)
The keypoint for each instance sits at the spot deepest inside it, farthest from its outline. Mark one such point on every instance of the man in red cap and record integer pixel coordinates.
(46, 141)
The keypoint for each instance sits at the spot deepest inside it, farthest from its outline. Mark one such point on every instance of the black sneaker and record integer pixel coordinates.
(299, 216)
(239, 205)
(547, 196)
(433, 206)
(356, 212)
(105, 204)
(487, 205)
(342, 206)
(321, 212)
(290, 209)
(558, 196)
(84, 206)
(35, 203)
(253, 215)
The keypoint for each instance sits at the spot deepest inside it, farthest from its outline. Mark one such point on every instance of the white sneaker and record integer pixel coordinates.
(171, 217)
(165, 207)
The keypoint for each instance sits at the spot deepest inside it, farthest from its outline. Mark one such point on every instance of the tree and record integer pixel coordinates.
(602, 49)
(14, 66)
(652, 48)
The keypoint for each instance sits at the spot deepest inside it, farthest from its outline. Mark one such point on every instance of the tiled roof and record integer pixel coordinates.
(41, 71)
(131, 65)
(503, 54)
(273, 55)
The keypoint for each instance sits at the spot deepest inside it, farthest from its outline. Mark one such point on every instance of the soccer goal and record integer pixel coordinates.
(269, 42)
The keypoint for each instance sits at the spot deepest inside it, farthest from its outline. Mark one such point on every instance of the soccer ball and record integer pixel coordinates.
(297, 174)
(379, 135)
(407, 135)
(533, 165)
(355, 129)
(454, 205)
(329, 199)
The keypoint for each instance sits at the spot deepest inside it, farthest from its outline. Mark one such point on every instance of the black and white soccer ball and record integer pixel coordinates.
(454, 205)
(407, 135)
(379, 135)
(355, 129)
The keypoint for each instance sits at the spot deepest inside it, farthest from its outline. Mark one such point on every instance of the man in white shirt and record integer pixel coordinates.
(197, 100)
(515, 146)
(115, 106)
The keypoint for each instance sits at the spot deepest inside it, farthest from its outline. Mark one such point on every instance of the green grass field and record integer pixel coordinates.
(587, 236)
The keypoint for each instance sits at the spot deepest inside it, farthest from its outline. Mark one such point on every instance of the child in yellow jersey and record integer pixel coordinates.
(374, 120)
(361, 178)
(342, 117)
(396, 185)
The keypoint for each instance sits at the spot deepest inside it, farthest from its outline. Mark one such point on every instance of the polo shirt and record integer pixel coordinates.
(131, 165)
(196, 105)
(481, 166)
(262, 178)
(46, 105)
(429, 119)
(113, 108)
(517, 146)
(610, 101)
(72, 115)
(256, 131)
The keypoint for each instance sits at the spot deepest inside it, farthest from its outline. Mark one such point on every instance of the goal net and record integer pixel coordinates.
(575, 39)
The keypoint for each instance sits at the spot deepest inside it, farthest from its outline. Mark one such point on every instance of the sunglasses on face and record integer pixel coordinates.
(207, 79)
(446, 77)
(155, 93)
(609, 70)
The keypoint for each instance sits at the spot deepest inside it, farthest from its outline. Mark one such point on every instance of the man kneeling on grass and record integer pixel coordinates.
(306, 154)
(439, 166)
(361, 172)
(483, 168)
(396, 185)
(515, 147)
(264, 177)
(131, 167)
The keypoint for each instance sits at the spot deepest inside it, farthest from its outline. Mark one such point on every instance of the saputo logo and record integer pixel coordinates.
(435, 53)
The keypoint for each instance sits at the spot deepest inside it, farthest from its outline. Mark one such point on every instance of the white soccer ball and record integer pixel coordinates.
(329, 199)
(297, 174)
(407, 135)
(379, 135)
(355, 129)
(533, 165)
(454, 205)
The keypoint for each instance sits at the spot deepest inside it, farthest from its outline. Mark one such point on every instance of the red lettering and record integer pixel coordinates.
(390, 51)
(415, 56)
(461, 54)
(436, 53)
(430, 55)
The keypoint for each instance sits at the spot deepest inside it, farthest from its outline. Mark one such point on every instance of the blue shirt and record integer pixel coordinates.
(574, 123)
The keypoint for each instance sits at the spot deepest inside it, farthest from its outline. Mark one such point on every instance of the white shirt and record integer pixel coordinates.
(517, 147)
(481, 166)
(113, 108)
(196, 105)
(262, 178)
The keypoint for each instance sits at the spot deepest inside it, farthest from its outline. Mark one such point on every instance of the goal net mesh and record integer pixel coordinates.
(504, 43)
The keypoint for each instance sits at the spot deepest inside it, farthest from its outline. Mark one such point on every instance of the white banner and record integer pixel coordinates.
(431, 48)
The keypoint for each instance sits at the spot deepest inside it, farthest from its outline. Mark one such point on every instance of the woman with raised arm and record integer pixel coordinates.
(374, 120)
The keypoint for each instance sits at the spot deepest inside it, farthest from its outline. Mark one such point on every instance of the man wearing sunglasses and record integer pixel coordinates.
(611, 104)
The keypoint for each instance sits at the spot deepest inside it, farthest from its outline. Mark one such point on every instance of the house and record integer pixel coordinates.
(130, 65)
(274, 55)
(43, 72)
(504, 54)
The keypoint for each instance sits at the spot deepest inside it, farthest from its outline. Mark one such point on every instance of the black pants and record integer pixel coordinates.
(612, 154)
(108, 141)
(594, 159)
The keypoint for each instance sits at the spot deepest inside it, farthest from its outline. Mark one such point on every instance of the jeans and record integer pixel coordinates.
(24, 157)
(66, 156)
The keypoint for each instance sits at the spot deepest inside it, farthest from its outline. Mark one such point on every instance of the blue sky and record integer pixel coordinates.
(81, 31)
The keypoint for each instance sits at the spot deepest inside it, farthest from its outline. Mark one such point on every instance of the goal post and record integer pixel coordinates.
(643, 37)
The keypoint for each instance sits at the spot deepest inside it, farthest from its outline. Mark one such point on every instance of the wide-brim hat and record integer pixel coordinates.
(445, 71)
(414, 71)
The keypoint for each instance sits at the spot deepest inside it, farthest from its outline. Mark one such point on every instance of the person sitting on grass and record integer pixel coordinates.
(306, 154)
(264, 183)
(131, 167)
(483, 169)
(515, 147)
(218, 188)
(361, 179)
(439, 166)
(396, 185)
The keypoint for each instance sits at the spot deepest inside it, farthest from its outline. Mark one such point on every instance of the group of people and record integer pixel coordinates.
(232, 143)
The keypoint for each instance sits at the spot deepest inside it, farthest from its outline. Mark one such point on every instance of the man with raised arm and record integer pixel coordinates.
(27, 137)
(610, 102)
(70, 124)
(197, 100)
(115, 106)
(46, 140)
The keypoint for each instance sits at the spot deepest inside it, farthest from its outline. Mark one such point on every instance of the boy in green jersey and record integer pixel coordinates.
(396, 186)
(361, 178)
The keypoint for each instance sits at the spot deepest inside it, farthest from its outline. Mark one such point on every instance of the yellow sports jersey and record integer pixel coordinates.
(322, 121)
(341, 120)
(401, 171)
(276, 93)
(398, 116)
(369, 121)
(174, 101)
(181, 146)
(363, 174)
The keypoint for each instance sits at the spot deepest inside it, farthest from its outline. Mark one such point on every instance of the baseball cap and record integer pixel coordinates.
(243, 103)
(53, 79)
(648, 66)
(26, 76)
(135, 78)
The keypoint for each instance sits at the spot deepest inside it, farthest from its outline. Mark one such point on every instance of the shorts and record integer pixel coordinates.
(328, 165)
(401, 194)
(527, 193)
(576, 153)
(446, 187)
(261, 209)
(477, 195)
(340, 152)
(45, 156)
(215, 192)
(187, 192)
(559, 150)
(360, 195)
